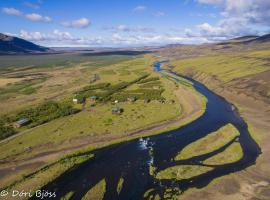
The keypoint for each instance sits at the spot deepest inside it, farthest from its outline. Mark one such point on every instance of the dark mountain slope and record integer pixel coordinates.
(264, 38)
(13, 45)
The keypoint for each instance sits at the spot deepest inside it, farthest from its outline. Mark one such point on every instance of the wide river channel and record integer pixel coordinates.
(130, 160)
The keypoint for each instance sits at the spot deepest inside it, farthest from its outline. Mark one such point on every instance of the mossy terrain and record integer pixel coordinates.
(182, 172)
(97, 192)
(120, 185)
(36, 180)
(226, 67)
(231, 154)
(68, 196)
(209, 143)
(29, 80)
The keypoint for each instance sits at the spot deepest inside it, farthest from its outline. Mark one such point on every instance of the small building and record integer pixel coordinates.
(75, 100)
(117, 110)
(156, 87)
(131, 99)
(93, 98)
(21, 122)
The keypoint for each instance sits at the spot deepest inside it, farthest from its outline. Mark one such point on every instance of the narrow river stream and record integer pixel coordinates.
(131, 160)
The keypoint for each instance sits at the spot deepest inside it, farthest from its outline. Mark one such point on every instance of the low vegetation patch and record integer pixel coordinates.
(6, 130)
(148, 80)
(68, 196)
(209, 143)
(226, 67)
(182, 172)
(231, 154)
(25, 87)
(37, 115)
(48, 173)
(97, 192)
(107, 90)
(120, 185)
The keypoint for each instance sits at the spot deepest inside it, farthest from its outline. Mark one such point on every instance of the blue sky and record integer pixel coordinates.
(132, 22)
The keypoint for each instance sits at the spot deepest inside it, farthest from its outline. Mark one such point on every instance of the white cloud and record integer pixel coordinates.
(61, 38)
(62, 35)
(140, 8)
(79, 23)
(12, 11)
(38, 17)
(160, 14)
(240, 17)
(37, 36)
(253, 11)
(32, 36)
(125, 28)
(31, 16)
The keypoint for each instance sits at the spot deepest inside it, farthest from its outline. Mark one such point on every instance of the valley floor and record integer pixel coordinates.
(45, 144)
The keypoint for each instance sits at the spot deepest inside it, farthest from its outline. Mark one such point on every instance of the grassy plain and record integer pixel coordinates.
(209, 143)
(97, 192)
(231, 154)
(99, 120)
(226, 67)
(182, 172)
(34, 181)
(29, 80)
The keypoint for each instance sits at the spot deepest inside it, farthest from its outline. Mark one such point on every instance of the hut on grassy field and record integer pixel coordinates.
(156, 87)
(117, 110)
(21, 122)
(131, 99)
(75, 100)
(93, 98)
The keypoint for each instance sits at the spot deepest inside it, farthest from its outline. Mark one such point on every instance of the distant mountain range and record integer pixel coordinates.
(14, 45)
(250, 39)
(264, 38)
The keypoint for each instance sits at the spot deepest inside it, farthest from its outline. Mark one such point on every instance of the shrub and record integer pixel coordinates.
(148, 80)
(6, 131)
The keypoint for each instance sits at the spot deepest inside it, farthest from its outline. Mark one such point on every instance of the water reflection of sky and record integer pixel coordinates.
(157, 67)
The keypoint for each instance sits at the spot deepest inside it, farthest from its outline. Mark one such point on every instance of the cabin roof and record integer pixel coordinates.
(22, 121)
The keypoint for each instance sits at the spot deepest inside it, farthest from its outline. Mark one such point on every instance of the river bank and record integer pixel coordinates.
(253, 182)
